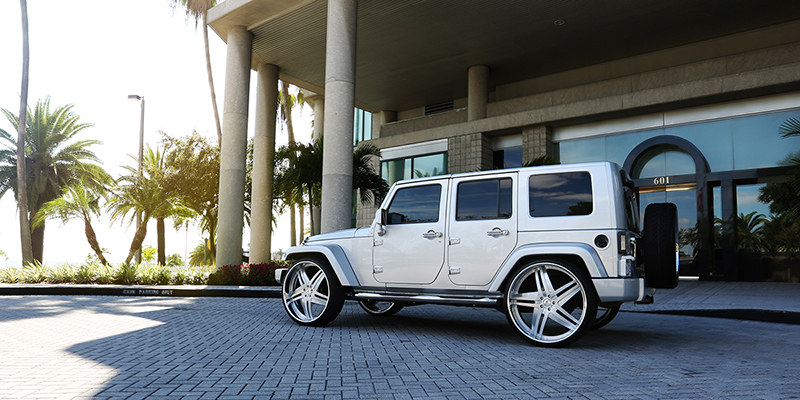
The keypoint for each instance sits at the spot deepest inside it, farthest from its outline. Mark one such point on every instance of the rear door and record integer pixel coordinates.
(483, 226)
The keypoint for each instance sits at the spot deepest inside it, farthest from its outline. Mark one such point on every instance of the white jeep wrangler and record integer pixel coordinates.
(556, 248)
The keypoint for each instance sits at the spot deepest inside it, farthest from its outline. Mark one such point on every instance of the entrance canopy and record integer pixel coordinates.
(416, 53)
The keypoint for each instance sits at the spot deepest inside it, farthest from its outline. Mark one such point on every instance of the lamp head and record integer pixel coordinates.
(135, 97)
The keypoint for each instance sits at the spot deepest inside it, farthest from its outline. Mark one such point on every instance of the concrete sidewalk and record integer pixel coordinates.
(691, 297)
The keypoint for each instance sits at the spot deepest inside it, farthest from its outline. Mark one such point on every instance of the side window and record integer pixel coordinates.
(415, 205)
(485, 199)
(562, 194)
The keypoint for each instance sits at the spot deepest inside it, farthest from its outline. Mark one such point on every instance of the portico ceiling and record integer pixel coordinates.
(412, 53)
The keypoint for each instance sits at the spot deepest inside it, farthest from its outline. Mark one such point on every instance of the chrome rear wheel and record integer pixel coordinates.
(551, 303)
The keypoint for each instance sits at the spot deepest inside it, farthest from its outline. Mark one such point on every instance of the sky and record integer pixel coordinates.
(93, 54)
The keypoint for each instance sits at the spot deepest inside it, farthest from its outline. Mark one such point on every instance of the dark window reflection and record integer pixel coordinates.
(487, 199)
(555, 195)
(415, 205)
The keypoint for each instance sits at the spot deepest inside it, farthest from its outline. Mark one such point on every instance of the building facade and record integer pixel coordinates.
(687, 96)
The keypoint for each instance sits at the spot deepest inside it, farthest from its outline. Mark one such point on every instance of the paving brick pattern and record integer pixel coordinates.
(57, 347)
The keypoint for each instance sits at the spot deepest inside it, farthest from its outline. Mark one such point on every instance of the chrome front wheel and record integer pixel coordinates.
(312, 294)
(551, 303)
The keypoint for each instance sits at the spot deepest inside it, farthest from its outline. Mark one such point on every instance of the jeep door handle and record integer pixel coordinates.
(497, 232)
(431, 234)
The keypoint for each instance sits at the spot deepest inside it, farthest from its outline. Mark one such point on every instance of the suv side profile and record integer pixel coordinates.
(556, 248)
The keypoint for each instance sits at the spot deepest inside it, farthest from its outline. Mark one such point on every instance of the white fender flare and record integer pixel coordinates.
(584, 251)
(335, 256)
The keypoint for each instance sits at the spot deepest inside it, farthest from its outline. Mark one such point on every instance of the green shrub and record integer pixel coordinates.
(63, 273)
(10, 275)
(87, 273)
(35, 273)
(126, 274)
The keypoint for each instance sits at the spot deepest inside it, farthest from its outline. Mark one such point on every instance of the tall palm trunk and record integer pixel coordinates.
(302, 224)
(287, 114)
(210, 78)
(22, 187)
(92, 238)
(138, 238)
(162, 256)
(212, 234)
(37, 241)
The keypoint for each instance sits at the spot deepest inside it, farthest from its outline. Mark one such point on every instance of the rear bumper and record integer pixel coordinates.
(614, 290)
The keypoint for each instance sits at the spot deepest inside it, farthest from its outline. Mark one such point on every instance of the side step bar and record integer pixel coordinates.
(488, 300)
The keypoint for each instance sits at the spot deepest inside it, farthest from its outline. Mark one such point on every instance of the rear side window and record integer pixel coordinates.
(561, 194)
(415, 205)
(485, 199)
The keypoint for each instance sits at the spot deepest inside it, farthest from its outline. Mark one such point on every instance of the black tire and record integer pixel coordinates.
(380, 308)
(551, 303)
(311, 292)
(661, 245)
(604, 316)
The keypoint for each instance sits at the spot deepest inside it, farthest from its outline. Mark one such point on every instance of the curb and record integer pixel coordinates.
(139, 291)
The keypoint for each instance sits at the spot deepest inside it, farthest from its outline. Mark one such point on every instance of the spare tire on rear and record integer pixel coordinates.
(660, 250)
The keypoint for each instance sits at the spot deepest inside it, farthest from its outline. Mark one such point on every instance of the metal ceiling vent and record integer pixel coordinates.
(439, 108)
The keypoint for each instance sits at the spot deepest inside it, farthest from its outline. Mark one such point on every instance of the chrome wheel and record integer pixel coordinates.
(311, 293)
(550, 303)
(381, 308)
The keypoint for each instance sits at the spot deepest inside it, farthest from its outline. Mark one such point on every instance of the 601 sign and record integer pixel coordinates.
(661, 180)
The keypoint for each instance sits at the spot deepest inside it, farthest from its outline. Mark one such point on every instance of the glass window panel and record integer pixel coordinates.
(714, 139)
(756, 142)
(414, 205)
(432, 165)
(751, 216)
(582, 150)
(487, 199)
(619, 146)
(396, 170)
(563, 194)
(664, 160)
(512, 158)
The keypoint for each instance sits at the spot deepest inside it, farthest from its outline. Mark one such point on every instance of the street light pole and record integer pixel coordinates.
(141, 157)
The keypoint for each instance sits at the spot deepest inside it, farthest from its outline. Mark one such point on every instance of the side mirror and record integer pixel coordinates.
(382, 223)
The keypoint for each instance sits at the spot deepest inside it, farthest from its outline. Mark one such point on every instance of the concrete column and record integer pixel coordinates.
(337, 160)
(478, 92)
(469, 153)
(537, 141)
(234, 147)
(263, 164)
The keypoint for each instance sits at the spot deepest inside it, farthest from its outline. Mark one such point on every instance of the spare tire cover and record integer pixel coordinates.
(661, 245)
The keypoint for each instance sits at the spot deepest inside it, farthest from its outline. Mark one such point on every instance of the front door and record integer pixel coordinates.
(412, 248)
(483, 227)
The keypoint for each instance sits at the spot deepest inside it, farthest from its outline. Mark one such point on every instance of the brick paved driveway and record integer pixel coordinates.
(145, 347)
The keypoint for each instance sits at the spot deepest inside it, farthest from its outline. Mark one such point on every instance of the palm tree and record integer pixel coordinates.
(371, 187)
(750, 227)
(22, 191)
(298, 174)
(192, 175)
(133, 194)
(198, 9)
(52, 161)
(287, 103)
(153, 165)
(76, 202)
